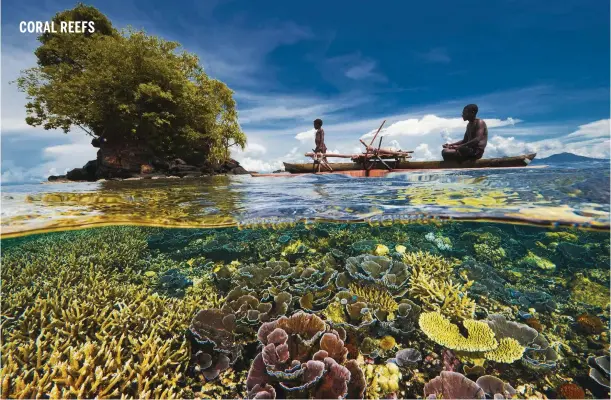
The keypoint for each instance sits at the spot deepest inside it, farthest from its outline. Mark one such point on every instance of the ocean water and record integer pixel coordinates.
(310, 286)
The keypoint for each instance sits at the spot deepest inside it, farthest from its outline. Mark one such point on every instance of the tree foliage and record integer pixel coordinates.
(129, 87)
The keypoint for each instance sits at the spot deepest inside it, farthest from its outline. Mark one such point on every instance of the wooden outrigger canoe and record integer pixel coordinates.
(399, 165)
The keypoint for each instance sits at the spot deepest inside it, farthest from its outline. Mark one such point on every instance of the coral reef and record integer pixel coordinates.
(305, 311)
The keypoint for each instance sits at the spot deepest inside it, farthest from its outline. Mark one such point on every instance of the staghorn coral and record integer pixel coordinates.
(378, 270)
(430, 283)
(439, 329)
(84, 326)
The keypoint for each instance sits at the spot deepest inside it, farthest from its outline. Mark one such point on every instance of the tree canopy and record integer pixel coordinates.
(129, 87)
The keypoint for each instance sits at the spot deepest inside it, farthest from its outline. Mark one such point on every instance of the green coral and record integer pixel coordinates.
(489, 254)
(535, 261)
(585, 291)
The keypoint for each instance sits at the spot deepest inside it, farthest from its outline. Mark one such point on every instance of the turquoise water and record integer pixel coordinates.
(180, 303)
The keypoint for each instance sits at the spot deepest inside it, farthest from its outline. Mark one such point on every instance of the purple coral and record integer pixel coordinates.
(214, 348)
(495, 387)
(452, 385)
(300, 353)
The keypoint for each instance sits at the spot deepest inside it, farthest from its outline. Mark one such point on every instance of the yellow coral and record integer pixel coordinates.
(508, 351)
(426, 263)
(400, 249)
(439, 329)
(382, 379)
(381, 299)
(387, 342)
(381, 250)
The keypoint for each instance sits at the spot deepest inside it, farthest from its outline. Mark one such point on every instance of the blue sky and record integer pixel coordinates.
(539, 72)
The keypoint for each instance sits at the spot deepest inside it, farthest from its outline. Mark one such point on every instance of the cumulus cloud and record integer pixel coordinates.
(596, 129)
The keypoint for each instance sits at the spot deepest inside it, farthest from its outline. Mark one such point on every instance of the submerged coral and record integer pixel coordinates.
(378, 270)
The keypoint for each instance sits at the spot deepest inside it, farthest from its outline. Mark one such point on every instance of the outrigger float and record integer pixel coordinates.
(378, 161)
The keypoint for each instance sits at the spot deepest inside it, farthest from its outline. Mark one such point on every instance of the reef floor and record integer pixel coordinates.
(324, 310)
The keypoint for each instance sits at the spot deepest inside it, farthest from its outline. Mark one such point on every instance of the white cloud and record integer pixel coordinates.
(596, 129)
(422, 153)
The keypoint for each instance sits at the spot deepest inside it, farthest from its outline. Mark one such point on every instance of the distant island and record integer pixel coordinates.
(566, 157)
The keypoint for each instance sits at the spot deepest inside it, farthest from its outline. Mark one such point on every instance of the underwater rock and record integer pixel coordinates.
(494, 386)
(379, 270)
(599, 370)
(452, 385)
(539, 300)
(534, 261)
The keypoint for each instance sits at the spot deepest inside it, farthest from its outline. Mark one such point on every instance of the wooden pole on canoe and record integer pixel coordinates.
(374, 137)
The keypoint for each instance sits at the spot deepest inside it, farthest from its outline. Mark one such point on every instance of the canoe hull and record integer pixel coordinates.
(505, 162)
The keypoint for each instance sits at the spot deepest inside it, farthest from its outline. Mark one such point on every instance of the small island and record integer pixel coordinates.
(148, 105)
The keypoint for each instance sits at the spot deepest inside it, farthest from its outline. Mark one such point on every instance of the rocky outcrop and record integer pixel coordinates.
(135, 161)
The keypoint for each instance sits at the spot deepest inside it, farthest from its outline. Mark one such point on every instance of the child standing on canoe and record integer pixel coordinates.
(320, 137)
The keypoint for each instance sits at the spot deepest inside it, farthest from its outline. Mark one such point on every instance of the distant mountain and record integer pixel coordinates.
(566, 157)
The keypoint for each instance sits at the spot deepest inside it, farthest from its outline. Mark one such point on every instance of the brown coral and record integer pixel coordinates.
(590, 323)
(570, 391)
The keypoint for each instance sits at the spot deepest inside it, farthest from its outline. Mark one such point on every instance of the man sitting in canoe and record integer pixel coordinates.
(473, 144)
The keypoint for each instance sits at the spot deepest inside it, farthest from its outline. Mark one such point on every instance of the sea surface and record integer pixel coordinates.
(432, 283)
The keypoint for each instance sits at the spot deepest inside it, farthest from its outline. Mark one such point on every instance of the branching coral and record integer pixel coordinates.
(84, 326)
(431, 284)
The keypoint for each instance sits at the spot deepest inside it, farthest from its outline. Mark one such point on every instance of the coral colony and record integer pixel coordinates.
(328, 311)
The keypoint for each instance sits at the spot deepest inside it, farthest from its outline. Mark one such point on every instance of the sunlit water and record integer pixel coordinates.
(108, 311)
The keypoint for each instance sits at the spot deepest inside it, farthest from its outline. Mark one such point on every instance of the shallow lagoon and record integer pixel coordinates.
(140, 311)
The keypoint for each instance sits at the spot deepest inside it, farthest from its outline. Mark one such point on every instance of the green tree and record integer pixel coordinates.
(130, 88)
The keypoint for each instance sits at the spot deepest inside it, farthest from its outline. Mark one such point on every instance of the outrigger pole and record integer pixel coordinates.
(367, 159)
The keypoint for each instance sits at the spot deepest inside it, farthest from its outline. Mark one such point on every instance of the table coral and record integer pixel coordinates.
(442, 331)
